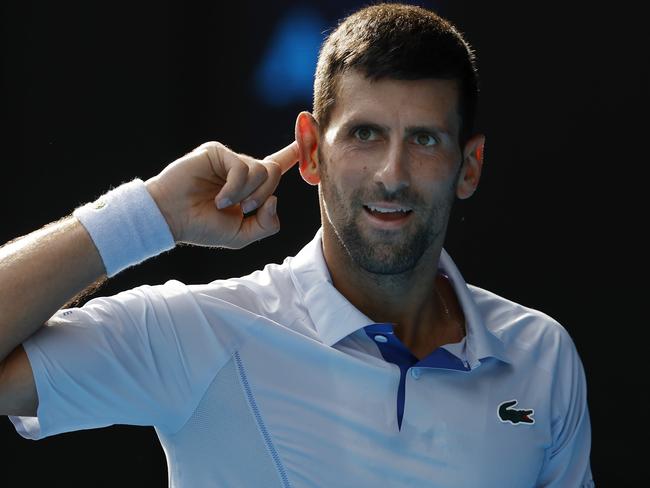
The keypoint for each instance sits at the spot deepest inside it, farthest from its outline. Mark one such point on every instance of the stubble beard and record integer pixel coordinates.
(383, 252)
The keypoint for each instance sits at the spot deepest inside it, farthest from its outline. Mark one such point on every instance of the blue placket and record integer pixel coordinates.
(394, 351)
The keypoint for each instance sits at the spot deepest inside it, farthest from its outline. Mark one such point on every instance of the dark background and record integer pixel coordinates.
(96, 94)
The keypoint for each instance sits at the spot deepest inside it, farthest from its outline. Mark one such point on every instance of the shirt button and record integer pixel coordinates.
(381, 338)
(415, 373)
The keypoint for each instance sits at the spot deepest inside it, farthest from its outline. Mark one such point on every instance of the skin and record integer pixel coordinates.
(387, 270)
(392, 142)
(206, 196)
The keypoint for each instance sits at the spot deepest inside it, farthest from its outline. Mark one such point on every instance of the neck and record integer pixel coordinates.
(414, 301)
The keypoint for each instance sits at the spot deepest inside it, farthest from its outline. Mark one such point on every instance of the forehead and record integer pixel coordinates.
(397, 103)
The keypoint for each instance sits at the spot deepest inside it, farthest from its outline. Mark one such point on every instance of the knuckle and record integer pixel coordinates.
(273, 169)
(259, 173)
(244, 168)
(238, 168)
(210, 145)
(214, 150)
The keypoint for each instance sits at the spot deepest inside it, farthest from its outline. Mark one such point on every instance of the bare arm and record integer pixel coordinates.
(44, 270)
(39, 273)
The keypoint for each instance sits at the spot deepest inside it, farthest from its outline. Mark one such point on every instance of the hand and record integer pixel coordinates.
(205, 195)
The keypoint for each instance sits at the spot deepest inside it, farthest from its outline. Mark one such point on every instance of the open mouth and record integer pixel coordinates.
(387, 214)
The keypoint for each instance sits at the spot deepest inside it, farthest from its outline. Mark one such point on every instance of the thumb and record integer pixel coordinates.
(264, 223)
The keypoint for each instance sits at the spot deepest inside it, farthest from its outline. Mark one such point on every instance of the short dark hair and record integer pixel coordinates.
(392, 40)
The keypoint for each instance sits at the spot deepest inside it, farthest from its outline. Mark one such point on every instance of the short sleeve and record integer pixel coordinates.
(141, 357)
(567, 460)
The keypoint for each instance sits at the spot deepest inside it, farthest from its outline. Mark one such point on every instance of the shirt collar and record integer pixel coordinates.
(335, 317)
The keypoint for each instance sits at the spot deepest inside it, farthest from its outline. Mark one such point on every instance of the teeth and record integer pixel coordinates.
(387, 210)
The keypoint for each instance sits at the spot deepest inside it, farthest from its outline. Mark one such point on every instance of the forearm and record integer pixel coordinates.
(41, 272)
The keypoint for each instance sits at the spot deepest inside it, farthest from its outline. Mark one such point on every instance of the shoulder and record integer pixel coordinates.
(269, 293)
(260, 291)
(524, 330)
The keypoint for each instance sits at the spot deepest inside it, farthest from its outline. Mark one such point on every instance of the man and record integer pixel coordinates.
(365, 360)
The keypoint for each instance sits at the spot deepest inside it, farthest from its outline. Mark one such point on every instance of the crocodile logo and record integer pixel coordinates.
(507, 414)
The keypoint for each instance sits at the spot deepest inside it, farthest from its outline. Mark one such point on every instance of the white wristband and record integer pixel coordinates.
(126, 226)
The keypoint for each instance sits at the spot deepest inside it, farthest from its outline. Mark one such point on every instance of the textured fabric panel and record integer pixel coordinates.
(220, 445)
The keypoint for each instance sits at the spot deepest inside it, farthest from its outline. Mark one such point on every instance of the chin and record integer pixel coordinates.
(384, 252)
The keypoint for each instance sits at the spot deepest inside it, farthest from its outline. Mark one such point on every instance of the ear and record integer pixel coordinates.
(308, 139)
(470, 172)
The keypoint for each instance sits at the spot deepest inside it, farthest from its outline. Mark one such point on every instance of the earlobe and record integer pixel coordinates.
(470, 173)
(307, 136)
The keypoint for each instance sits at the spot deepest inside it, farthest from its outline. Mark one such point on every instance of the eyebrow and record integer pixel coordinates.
(439, 131)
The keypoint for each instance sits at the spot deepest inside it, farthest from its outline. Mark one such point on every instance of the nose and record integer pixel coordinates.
(392, 173)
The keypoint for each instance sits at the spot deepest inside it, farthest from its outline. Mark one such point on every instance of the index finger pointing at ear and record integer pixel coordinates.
(286, 157)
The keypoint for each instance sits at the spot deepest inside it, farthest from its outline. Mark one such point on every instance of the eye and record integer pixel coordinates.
(364, 133)
(425, 139)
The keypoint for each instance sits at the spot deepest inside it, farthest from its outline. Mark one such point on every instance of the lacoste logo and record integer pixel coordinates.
(507, 414)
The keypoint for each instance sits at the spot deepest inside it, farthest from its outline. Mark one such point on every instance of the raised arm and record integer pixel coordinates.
(206, 198)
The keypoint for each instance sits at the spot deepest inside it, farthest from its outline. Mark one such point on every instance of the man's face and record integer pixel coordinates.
(389, 163)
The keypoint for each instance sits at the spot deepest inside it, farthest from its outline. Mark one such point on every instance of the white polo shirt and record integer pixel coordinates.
(276, 380)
